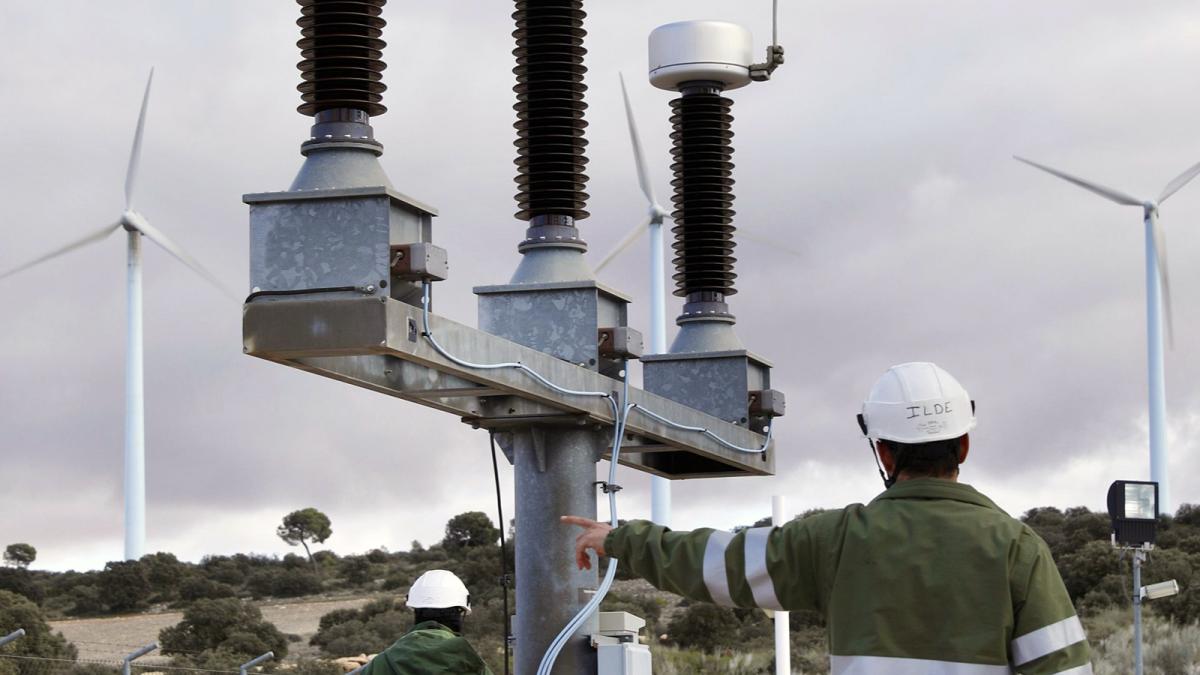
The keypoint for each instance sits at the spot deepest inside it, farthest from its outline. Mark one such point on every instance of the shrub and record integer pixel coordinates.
(223, 627)
(124, 587)
(199, 588)
(20, 581)
(706, 627)
(17, 611)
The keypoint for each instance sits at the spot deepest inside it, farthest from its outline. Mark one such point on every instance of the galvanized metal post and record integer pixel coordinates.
(555, 472)
(1138, 556)
(135, 425)
(130, 658)
(254, 662)
(783, 632)
(18, 633)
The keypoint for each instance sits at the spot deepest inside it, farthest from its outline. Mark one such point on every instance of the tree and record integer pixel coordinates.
(303, 526)
(20, 555)
(18, 612)
(223, 626)
(470, 529)
(705, 626)
(124, 586)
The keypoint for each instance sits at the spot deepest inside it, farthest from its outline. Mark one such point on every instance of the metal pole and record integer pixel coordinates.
(135, 457)
(660, 488)
(254, 662)
(130, 658)
(783, 633)
(1154, 350)
(555, 472)
(18, 633)
(1138, 556)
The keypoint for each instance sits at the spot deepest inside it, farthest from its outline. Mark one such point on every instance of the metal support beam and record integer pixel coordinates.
(254, 662)
(555, 474)
(133, 656)
(376, 343)
(18, 633)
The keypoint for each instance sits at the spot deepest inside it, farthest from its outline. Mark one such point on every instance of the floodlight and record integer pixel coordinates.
(1163, 589)
(1133, 508)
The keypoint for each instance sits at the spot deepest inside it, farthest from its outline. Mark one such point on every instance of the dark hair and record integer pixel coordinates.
(450, 617)
(934, 459)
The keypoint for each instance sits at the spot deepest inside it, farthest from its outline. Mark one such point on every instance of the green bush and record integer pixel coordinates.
(124, 586)
(706, 627)
(199, 588)
(17, 611)
(20, 581)
(225, 625)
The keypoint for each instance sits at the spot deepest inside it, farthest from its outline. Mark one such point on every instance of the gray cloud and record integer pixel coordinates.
(881, 152)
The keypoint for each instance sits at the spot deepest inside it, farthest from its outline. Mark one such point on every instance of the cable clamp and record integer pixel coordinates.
(607, 487)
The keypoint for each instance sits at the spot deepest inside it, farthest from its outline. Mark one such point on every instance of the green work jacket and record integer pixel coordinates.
(428, 649)
(930, 578)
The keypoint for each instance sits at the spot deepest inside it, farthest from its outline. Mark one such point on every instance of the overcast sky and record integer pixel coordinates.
(881, 152)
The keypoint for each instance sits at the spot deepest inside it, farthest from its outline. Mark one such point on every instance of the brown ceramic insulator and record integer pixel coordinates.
(342, 55)
(550, 143)
(703, 197)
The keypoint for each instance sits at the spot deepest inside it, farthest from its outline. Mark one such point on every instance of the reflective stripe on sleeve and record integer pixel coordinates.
(1047, 640)
(1085, 669)
(715, 578)
(756, 568)
(887, 665)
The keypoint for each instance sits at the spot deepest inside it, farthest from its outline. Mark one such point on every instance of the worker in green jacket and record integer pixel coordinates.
(930, 578)
(434, 646)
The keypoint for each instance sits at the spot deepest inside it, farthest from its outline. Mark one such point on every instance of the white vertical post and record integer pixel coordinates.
(783, 633)
(1138, 556)
(660, 488)
(1154, 353)
(135, 451)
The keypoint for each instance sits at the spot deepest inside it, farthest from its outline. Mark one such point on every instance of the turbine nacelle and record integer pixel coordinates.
(132, 221)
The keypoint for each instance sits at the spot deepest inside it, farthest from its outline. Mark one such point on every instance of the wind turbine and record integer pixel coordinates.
(136, 226)
(1158, 298)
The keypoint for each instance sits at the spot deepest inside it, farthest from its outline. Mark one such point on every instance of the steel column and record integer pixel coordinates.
(1154, 353)
(135, 425)
(1138, 556)
(555, 472)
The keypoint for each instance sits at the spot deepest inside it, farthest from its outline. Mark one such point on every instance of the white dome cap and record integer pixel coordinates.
(693, 51)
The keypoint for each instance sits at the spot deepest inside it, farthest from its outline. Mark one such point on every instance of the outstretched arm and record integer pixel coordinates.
(709, 565)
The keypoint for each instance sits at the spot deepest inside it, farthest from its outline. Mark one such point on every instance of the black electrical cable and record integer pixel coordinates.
(504, 579)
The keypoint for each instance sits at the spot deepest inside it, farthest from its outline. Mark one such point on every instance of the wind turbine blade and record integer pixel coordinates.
(1106, 192)
(1164, 279)
(638, 156)
(155, 235)
(93, 237)
(623, 244)
(135, 155)
(767, 241)
(1180, 180)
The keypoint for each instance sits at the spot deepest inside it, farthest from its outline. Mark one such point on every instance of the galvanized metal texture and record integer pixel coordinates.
(343, 338)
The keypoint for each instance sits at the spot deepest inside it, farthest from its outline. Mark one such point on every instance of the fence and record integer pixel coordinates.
(11, 664)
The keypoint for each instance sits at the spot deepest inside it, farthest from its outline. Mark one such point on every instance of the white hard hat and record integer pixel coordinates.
(917, 403)
(438, 589)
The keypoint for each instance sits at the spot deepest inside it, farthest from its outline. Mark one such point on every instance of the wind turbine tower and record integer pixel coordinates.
(1158, 307)
(136, 226)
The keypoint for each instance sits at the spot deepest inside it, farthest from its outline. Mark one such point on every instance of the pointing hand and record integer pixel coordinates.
(592, 538)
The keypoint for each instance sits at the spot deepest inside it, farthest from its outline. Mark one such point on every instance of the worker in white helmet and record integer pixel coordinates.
(434, 646)
(930, 578)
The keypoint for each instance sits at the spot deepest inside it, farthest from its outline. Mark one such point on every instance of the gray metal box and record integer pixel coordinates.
(560, 319)
(718, 383)
(325, 239)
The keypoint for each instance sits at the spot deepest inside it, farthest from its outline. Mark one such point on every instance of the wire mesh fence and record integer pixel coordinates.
(11, 664)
